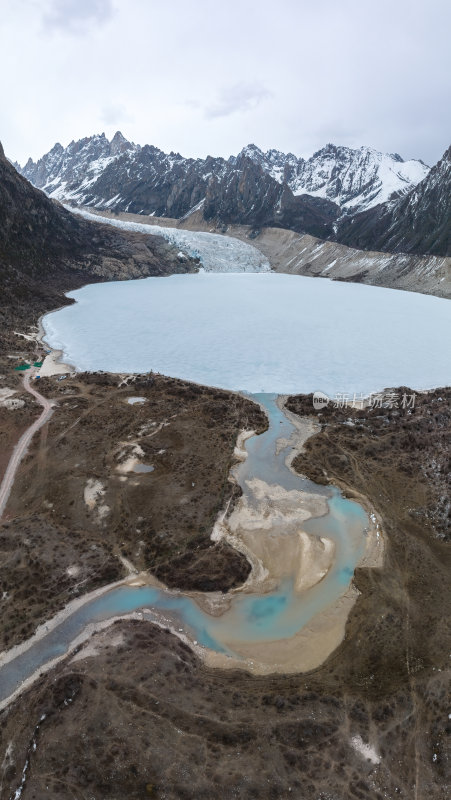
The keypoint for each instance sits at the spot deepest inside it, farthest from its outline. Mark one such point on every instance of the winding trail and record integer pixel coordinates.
(22, 445)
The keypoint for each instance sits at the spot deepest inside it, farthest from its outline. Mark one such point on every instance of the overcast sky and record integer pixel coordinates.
(204, 77)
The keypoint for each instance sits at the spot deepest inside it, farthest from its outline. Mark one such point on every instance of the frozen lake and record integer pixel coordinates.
(260, 332)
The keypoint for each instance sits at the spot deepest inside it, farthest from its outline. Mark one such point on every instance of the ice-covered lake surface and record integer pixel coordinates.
(258, 332)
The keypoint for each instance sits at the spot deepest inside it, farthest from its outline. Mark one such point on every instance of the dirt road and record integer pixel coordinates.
(21, 446)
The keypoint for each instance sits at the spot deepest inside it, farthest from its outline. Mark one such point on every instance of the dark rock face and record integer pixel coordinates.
(420, 222)
(150, 182)
(37, 236)
(253, 188)
(248, 195)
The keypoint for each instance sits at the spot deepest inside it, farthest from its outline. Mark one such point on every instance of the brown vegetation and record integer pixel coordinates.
(160, 521)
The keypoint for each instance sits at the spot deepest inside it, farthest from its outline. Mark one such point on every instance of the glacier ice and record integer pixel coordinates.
(216, 253)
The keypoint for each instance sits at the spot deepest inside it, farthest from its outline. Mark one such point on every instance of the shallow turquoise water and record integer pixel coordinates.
(251, 618)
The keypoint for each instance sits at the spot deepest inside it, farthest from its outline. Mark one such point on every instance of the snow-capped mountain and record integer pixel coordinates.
(254, 187)
(419, 222)
(77, 167)
(353, 179)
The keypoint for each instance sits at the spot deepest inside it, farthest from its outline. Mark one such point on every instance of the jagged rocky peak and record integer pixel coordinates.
(268, 158)
(96, 143)
(64, 171)
(119, 144)
(277, 157)
(251, 151)
(328, 148)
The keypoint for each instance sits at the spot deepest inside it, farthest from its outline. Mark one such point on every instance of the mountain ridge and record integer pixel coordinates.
(253, 187)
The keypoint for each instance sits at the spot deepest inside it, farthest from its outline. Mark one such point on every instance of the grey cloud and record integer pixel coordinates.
(114, 114)
(240, 97)
(76, 16)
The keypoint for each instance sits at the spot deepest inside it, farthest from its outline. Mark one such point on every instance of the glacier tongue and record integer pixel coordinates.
(215, 252)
